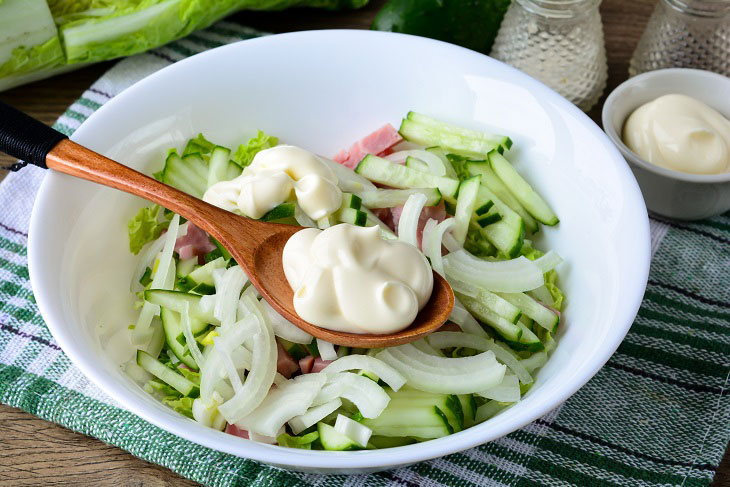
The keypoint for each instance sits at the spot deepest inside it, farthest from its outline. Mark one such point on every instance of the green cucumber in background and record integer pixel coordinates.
(469, 23)
(40, 38)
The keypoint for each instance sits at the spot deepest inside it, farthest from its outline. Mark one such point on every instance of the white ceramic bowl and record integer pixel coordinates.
(667, 192)
(323, 90)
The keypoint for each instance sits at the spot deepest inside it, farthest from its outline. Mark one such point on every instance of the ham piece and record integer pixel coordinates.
(195, 243)
(234, 430)
(306, 364)
(437, 213)
(319, 364)
(377, 143)
(285, 364)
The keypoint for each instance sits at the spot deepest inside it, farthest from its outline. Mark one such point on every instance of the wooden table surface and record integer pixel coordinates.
(37, 452)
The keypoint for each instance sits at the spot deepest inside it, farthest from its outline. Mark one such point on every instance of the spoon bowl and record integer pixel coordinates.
(256, 246)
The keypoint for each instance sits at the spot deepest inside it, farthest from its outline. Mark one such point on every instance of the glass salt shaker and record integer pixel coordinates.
(685, 34)
(559, 42)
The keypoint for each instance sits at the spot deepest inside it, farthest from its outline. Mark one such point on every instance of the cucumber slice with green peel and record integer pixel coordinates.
(488, 218)
(193, 147)
(412, 413)
(521, 189)
(373, 220)
(431, 132)
(188, 174)
(218, 165)
(186, 266)
(385, 172)
(499, 305)
(468, 193)
(534, 310)
(203, 288)
(416, 164)
(469, 406)
(204, 274)
(506, 329)
(327, 221)
(350, 200)
(331, 440)
(528, 340)
(284, 210)
(352, 216)
(496, 186)
(167, 375)
(176, 301)
(484, 208)
(388, 198)
(380, 442)
(175, 338)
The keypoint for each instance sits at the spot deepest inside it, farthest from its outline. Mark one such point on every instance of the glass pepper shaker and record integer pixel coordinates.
(685, 34)
(559, 42)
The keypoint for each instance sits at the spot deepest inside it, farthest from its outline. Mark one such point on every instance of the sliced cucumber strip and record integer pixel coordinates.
(484, 208)
(534, 310)
(385, 172)
(333, 441)
(175, 338)
(204, 274)
(188, 174)
(496, 186)
(508, 330)
(350, 200)
(492, 216)
(284, 210)
(417, 164)
(388, 198)
(425, 130)
(352, 216)
(521, 189)
(166, 375)
(468, 192)
(527, 341)
(218, 165)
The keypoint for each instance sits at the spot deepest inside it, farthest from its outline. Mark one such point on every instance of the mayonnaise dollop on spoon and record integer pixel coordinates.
(347, 278)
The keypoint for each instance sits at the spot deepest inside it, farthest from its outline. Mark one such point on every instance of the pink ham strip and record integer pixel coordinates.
(306, 364)
(194, 243)
(234, 430)
(378, 143)
(319, 365)
(285, 364)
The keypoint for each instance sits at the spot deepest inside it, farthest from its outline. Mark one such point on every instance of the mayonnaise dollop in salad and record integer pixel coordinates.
(348, 278)
(270, 180)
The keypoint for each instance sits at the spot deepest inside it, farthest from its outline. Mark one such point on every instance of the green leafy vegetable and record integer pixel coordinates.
(145, 227)
(198, 144)
(551, 278)
(183, 405)
(245, 152)
(304, 442)
(472, 24)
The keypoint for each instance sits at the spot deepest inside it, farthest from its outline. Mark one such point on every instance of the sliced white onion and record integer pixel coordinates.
(142, 327)
(368, 396)
(261, 376)
(488, 410)
(266, 440)
(347, 179)
(227, 291)
(146, 260)
(408, 223)
(313, 416)
(507, 391)
(284, 328)
(448, 339)
(535, 361)
(279, 379)
(543, 295)
(280, 405)
(443, 375)
(514, 275)
(357, 432)
(213, 388)
(302, 218)
(188, 334)
(365, 362)
(451, 244)
(423, 346)
(433, 236)
(465, 320)
(229, 366)
(548, 261)
(326, 350)
(434, 163)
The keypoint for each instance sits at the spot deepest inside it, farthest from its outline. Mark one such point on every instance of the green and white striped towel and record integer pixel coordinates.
(657, 414)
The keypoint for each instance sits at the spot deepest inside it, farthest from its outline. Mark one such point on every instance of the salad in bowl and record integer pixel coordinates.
(209, 347)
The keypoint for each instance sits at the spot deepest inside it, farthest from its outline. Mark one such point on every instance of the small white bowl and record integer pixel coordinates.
(322, 90)
(667, 192)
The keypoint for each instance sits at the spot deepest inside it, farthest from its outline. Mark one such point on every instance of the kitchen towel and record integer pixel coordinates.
(658, 413)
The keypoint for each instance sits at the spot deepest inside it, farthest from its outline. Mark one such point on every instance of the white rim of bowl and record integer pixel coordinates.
(635, 158)
(366, 459)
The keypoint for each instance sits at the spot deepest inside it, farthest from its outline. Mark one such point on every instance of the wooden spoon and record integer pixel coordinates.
(256, 246)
